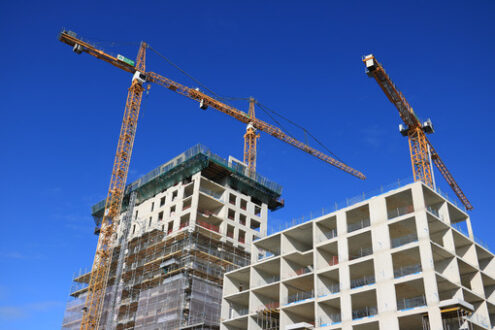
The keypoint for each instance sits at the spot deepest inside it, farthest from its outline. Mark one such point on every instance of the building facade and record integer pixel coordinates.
(182, 226)
(405, 259)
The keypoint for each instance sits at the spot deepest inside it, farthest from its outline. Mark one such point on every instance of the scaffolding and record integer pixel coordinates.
(268, 317)
(453, 318)
(165, 281)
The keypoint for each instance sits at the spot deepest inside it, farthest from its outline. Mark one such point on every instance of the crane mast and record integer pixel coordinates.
(419, 146)
(101, 265)
(102, 261)
(250, 140)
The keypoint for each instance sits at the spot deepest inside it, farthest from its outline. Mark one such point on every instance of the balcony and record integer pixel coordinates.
(303, 270)
(360, 253)
(365, 280)
(208, 226)
(211, 193)
(236, 310)
(397, 212)
(265, 254)
(329, 320)
(410, 303)
(358, 225)
(329, 289)
(403, 240)
(368, 311)
(407, 270)
(300, 296)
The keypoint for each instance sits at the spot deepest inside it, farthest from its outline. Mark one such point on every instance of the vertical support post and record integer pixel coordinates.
(103, 257)
(250, 140)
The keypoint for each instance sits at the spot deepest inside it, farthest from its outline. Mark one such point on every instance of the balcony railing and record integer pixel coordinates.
(268, 280)
(208, 226)
(265, 254)
(433, 211)
(397, 212)
(409, 303)
(300, 296)
(364, 312)
(329, 289)
(329, 320)
(303, 270)
(236, 311)
(334, 260)
(362, 252)
(358, 225)
(328, 235)
(407, 270)
(398, 241)
(365, 280)
(211, 193)
(270, 306)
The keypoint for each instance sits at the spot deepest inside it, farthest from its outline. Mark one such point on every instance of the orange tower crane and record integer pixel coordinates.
(250, 140)
(101, 265)
(421, 149)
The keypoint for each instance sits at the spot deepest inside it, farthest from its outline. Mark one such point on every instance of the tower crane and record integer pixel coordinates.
(101, 265)
(422, 151)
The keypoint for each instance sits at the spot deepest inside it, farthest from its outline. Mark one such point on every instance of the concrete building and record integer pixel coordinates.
(182, 226)
(405, 259)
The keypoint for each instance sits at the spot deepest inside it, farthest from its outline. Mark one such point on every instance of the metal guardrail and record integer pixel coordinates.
(365, 280)
(300, 296)
(397, 212)
(186, 155)
(267, 281)
(407, 270)
(399, 241)
(329, 289)
(409, 303)
(362, 252)
(211, 193)
(329, 320)
(328, 235)
(364, 312)
(358, 225)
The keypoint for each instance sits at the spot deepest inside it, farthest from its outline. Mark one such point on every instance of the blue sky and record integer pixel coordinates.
(62, 112)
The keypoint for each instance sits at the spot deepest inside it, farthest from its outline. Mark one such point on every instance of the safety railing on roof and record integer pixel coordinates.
(186, 155)
(351, 201)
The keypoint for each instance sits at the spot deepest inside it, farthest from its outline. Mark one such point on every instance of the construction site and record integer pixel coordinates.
(187, 245)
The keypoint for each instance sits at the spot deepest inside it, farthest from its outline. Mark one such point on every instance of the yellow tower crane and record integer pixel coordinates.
(422, 151)
(101, 265)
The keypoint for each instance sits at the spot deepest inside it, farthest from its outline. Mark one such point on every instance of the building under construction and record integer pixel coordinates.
(405, 259)
(182, 226)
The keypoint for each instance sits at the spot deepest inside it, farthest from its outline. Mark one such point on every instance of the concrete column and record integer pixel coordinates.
(383, 264)
(426, 256)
